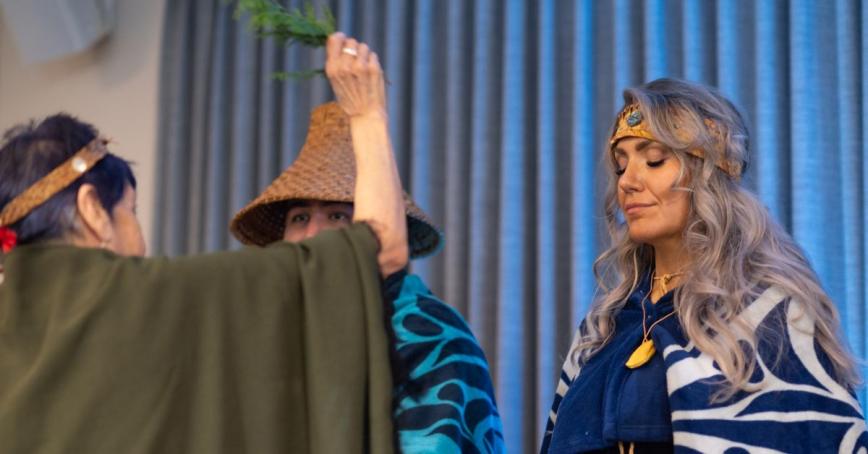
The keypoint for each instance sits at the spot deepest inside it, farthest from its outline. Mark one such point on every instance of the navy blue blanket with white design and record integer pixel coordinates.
(444, 399)
(794, 405)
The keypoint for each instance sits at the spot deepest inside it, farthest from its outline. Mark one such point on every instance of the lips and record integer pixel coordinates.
(635, 208)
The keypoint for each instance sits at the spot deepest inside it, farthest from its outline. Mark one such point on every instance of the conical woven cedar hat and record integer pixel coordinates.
(325, 170)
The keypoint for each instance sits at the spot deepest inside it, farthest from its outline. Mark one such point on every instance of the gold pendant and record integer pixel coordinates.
(642, 354)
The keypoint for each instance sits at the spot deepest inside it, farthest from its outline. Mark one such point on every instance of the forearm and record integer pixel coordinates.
(379, 198)
(357, 79)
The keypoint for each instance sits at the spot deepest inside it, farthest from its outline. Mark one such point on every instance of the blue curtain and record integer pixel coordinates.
(499, 112)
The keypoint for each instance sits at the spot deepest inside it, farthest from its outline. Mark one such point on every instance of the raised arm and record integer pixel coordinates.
(357, 79)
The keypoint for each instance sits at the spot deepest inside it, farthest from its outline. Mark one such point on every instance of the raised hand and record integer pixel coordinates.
(355, 75)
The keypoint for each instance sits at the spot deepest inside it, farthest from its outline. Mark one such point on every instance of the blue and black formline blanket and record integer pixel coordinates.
(443, 397)
(794, 406)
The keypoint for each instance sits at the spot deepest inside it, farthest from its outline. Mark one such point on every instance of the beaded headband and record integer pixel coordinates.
(631, 124)
(56, 180)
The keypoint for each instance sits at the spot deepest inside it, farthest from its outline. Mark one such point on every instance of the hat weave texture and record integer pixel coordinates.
(325, 170)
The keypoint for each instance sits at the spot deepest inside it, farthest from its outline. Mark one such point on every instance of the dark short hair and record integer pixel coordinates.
(32, 150)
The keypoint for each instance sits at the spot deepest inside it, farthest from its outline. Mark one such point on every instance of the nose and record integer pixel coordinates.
(630, 180)
(316, 224)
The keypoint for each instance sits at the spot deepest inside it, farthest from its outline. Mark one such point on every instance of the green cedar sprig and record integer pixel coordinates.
(270, 19)
(297, 75)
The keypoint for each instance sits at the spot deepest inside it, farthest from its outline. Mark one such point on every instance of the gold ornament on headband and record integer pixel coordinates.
(56, 180)
(631, 123)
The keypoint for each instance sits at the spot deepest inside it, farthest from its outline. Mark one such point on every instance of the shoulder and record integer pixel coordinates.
(415, 300)
(792, 382)
(771, 301)
(783, 326)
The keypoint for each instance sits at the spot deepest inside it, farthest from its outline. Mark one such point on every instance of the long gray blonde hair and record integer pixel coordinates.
(736, 249)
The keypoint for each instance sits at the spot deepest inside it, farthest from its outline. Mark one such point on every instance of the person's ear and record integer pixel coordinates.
(94, 218)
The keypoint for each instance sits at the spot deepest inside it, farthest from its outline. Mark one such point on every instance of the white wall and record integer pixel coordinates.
(114, 86)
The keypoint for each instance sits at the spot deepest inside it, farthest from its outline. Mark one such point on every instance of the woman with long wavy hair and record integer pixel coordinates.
(711, 331)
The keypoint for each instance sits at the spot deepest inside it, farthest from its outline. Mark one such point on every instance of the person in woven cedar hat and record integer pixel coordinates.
(712, 333)
(443, 396)
(104, 351)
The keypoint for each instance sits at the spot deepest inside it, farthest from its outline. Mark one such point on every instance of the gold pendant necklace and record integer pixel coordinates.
(646, 349)
(641, 355)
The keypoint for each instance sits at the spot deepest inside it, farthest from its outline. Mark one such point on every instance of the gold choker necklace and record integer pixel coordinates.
(664, 281)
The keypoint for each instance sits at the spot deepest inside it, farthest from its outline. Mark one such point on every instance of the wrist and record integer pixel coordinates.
(374, 115)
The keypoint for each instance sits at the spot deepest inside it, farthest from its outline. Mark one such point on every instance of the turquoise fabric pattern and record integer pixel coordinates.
(444, 400)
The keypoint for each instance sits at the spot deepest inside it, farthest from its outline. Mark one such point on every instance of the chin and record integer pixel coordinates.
(653, 236)
(640, 239)
(642, 236)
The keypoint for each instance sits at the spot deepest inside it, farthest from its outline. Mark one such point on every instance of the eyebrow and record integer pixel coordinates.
(641, 146)
(644, 144)
(308, 203)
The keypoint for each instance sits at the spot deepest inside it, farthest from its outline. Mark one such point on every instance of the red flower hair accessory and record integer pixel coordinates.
(8, 239)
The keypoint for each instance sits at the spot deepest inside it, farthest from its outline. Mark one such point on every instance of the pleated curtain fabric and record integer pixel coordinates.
(499, 112)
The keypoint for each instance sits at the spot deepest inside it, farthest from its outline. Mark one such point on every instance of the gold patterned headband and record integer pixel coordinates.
(631, 124)
(56, 180)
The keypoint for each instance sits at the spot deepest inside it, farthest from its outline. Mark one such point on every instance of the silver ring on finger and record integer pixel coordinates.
(350, 51)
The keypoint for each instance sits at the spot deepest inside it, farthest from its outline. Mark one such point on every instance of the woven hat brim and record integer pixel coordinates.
(262, 222)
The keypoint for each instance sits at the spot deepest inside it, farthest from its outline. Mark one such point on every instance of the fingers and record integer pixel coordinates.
(355, 75)
(343, 53)
(350, 50)
(333, 46)
(363, 52)
(359, 63)
(373, 65)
